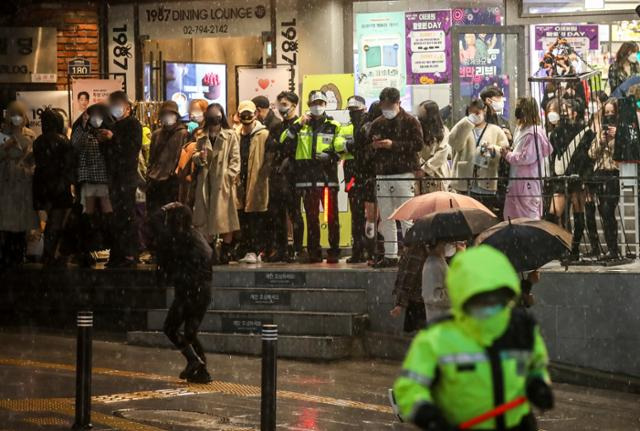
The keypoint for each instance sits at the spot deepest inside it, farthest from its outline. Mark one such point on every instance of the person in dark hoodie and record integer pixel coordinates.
(166, 146)
(122, 144)
(184, 261)
(265, 114)
(52, 180)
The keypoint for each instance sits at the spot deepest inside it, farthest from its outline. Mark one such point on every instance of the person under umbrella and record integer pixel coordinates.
(426, 204)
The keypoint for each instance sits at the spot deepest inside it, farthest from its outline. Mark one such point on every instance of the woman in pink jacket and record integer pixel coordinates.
(527, 160)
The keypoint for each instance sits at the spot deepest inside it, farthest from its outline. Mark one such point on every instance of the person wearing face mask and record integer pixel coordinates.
(17, 216)
(395, 141)
(527, 160)
(216, 166)
(122, 143)
(316, 141)
(476, 147)
(625, 65)
(607, 189)
(434, 157)
(266, 116)
(463, 365)
(253, 185)
(284, 198)
(352, 177)
(197, 107)
(571, 140)
(166, 145)
(52, 181)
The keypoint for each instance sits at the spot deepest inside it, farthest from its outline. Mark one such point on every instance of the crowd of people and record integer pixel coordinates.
(100, 184)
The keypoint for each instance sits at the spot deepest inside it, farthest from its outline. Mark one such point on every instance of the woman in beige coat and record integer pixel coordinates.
(17, 216)
(434, 157)
(476, 147)
(217, 165)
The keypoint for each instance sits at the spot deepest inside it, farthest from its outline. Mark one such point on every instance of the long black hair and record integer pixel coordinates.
(225, 121)
(431, 121)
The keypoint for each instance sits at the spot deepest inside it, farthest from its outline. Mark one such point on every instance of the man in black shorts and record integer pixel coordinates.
(184, 260)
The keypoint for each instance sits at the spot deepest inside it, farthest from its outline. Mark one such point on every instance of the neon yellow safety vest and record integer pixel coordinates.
(455, 367)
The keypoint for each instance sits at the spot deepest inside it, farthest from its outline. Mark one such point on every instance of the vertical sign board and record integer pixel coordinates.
(122, 47)
(287, 41)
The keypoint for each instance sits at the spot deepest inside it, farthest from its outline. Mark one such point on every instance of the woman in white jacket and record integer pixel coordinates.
(434, 157)
(476, 147)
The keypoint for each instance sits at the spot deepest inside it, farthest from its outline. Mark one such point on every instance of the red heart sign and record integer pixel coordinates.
(263, 83)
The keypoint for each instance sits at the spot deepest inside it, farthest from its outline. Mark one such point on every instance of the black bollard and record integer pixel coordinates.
(83, 371)
(269, 377)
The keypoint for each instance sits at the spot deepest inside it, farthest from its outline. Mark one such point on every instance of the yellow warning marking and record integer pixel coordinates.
(191, 389)
(66, 406)
(47, 421)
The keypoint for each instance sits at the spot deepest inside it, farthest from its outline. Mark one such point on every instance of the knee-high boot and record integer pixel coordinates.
(578, 232)
(592, 229)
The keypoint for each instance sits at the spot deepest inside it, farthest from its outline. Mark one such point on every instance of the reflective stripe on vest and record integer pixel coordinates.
(463, 358)
(412, 375)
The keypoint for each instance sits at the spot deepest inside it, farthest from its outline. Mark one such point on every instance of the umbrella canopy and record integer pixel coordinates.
(529, 244)
(429, 203)
(456, 224)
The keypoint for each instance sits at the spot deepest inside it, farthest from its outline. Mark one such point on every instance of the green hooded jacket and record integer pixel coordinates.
(466, 366)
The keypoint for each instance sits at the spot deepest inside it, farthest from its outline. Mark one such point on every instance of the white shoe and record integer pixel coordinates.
(250, 258)
(370, 230)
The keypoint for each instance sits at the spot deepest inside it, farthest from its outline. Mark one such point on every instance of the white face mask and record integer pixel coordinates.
(317, 110)
(633, 57)
(117, 111)
(17, 120)
(449, 249)
(169, 120)
(284, 109)
(476, 118)
(197, 116)
(553, 117)
(498, 106)
(96, 122)
(389, 114)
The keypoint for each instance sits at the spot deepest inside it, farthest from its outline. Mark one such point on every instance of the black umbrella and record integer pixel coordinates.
(457, 224)
(529, 244)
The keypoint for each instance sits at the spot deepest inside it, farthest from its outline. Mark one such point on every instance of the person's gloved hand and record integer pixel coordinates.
(429, 418)
(323, 157)
(540, 394)
(328, 156)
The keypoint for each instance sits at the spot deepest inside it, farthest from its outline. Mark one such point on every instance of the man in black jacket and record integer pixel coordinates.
(266, 116)
(122, 144)
(184, 261)
(395, 140)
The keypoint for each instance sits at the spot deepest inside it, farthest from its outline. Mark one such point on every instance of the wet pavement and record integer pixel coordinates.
(135, 388)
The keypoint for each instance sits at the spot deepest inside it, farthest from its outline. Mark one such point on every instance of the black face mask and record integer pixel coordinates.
(213, 120)
(356, 116)
(246, 119)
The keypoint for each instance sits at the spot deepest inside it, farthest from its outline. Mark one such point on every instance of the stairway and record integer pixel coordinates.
(321, 314)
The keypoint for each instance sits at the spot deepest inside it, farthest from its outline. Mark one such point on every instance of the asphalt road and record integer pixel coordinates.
(136, 388)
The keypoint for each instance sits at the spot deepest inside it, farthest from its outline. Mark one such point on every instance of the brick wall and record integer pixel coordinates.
(77, 25)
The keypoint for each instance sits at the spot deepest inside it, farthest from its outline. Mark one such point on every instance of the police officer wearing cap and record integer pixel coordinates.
(353, 180)
(316, 141)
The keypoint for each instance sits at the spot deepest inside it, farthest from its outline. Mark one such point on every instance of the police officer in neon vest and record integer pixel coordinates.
(316, 142)
(486, 354)
(353, 180)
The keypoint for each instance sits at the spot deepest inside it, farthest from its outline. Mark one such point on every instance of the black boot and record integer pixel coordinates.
(225, 254)
(194, 363)
(592, 230)
(578, 232)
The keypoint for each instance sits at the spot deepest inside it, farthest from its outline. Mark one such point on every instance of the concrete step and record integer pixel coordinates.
(289, 346)
(289, 322)
(309, 276)
(286, 299)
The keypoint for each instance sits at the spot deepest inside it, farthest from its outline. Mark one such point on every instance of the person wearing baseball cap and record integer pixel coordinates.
(266, 115)
(122, 144)
(253, 187)
(353, 181)
(164, 153)
(316, 141)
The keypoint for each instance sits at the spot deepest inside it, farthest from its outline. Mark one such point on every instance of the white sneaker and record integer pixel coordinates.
(250, 258)
(370, 230)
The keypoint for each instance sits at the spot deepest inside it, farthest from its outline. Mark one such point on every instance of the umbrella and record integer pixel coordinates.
(455, 224)
(423, 205)
(527, 243)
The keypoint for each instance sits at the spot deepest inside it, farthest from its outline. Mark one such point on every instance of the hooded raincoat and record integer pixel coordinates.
(461, 367)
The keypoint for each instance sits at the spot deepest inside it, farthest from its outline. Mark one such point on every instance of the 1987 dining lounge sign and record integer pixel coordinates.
(201, 19)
